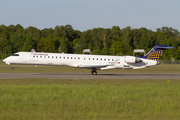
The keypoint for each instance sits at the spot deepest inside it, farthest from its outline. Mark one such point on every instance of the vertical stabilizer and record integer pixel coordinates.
(156, 52)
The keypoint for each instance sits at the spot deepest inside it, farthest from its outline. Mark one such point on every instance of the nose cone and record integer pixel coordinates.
(4, 60)
(7, 60)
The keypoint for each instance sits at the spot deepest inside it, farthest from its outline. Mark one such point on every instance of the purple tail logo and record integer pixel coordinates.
(156, 52)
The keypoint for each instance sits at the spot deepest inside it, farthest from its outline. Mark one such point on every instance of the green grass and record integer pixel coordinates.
(2, 63)
(36, 99)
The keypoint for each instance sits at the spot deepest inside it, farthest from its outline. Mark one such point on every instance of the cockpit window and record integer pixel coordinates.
(15, 55)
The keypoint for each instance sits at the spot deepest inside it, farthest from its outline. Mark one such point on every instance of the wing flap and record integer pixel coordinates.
(92, 66)
(89, 66)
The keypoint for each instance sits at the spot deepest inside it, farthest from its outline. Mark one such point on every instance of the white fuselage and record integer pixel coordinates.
(100, 62)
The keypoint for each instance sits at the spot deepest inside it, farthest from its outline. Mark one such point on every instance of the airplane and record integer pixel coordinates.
(93, 62)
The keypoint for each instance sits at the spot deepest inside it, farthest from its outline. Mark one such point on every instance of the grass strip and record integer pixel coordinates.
(89, 99)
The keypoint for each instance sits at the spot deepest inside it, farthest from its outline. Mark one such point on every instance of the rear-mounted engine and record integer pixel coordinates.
(131, 59)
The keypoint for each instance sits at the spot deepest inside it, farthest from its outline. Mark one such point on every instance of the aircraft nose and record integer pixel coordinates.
(4, 60)
(7, 60)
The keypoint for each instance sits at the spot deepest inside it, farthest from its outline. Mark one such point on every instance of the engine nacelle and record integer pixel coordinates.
(131, 59)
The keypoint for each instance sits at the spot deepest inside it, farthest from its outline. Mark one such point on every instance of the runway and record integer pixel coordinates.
(89, 76)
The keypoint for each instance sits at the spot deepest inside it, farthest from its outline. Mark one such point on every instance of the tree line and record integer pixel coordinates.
(101, 41)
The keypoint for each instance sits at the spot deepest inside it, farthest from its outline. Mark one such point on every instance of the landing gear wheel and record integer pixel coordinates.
(94, 72)
(12, 68)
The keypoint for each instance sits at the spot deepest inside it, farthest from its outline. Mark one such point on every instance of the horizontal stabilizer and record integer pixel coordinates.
(165, 47)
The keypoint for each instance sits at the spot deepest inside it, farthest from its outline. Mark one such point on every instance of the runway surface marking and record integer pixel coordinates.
(89, 76)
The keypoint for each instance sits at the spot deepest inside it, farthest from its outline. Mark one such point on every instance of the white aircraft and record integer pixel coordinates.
(93, 62)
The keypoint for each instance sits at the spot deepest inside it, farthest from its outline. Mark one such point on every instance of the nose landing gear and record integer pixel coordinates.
(12, 68)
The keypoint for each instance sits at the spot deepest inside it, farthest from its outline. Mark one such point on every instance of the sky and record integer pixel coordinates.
(88, 14)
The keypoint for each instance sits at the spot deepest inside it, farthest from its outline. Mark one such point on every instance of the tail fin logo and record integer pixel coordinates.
(156, 52)
(155, 55)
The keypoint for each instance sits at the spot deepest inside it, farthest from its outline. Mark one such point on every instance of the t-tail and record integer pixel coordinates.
(156, 52)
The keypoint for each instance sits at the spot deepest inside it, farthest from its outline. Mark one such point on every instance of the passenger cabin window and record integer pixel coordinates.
(71, 57)
(56, 57)
(64, 57)
(60, 57)
(97, 58)
(33, 56)
(40, 56)
(52, 57)
(67, 57)
(78, 58)
(89, 58)
(37, 56)
(112, 59)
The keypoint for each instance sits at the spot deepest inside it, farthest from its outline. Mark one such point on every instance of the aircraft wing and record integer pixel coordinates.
(90, 66)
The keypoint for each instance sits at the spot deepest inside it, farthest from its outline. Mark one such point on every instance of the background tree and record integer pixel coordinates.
(17, 42)
(14, 38)
(40, 45)
(49, 44)
(29, 44)
(128, 42)
(5, 47)
(64, 45)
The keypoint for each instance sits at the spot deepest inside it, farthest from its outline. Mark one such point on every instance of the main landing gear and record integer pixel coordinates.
(94, 72)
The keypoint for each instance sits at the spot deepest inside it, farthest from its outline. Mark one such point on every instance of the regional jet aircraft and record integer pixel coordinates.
(93, 62)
